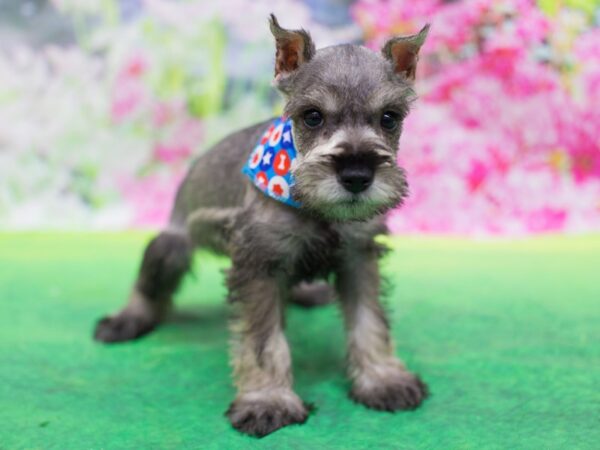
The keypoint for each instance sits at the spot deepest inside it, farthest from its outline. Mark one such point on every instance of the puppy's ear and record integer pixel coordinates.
(294, 48)
(403, 52)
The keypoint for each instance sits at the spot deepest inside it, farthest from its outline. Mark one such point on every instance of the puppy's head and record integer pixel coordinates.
(347, 105)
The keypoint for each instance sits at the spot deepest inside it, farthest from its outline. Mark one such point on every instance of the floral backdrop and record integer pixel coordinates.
(103, 104)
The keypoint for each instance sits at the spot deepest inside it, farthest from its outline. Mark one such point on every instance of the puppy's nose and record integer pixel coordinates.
(356, 179)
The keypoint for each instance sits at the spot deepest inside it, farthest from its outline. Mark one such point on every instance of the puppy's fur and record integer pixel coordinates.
(277, 251)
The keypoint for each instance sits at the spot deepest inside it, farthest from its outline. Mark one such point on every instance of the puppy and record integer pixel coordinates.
(292, 201)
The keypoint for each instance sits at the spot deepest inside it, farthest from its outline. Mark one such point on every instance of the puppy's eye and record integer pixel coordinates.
(313, 118)
(389, 120)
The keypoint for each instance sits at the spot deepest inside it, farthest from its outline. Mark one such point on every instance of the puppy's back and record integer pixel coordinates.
(215, 179)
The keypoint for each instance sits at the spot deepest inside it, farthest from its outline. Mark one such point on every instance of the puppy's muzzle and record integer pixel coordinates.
(355, 173)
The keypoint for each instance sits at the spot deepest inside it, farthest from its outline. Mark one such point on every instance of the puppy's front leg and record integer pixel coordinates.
(379, 379)
(261, 358)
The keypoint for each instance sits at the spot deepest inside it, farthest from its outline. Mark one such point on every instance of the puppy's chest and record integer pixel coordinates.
(314, 252)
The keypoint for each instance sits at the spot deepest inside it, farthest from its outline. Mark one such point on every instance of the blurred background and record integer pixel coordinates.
(104, 103)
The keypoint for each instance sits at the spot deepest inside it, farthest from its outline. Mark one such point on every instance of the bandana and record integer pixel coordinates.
(270, 163)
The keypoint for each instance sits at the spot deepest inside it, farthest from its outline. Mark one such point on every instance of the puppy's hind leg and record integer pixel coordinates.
(166, 260)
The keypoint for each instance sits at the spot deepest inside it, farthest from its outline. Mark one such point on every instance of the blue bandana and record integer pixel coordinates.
(270, 163)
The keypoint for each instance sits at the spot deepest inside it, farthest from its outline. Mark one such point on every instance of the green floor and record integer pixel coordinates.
(507, 335)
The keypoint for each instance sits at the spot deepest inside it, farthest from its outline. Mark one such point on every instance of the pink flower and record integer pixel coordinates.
(134, 67)
(127, 98)
(162, 113)
(170, 154)
(180, 139)
(128, 91)
(585, 162)
(150, 197)
(546, 219)
(476, 175)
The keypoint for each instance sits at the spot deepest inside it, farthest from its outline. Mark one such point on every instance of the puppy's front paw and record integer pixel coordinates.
(122, 328)
(392, 392)
(260, 413)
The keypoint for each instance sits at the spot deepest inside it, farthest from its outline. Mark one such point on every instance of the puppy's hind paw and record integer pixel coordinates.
(261, 416)
(401, 392)
(121, 328)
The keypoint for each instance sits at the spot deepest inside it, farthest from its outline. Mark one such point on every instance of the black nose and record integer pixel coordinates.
(355, 178)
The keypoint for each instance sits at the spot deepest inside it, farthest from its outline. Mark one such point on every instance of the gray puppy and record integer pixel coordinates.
(346, 105)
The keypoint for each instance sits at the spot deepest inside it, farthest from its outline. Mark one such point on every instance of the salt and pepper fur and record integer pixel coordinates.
(280, 253)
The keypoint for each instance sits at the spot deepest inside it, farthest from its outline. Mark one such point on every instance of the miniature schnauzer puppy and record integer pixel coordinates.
(345, 106)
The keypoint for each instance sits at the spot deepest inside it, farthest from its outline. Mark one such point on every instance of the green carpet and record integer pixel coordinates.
(506, 334)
